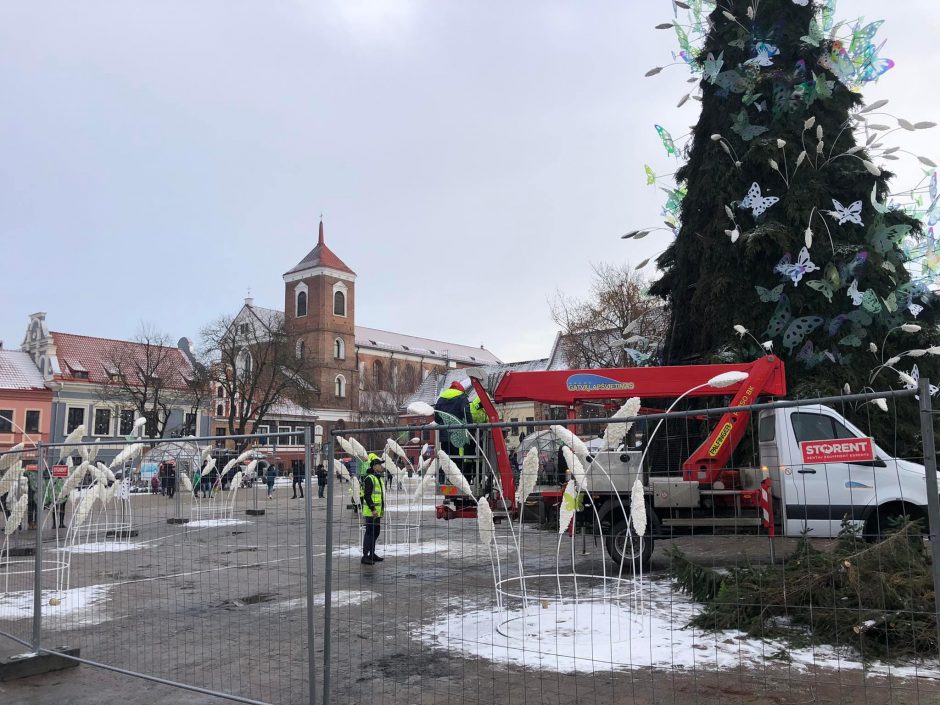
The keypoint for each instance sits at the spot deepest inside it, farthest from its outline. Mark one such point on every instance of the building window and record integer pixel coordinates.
(377, 374)
(243, 362)
(409, 378)
(301, 303)
(75, 417)
(189, 424)
(529, 429)
(299, 438)
(6, 420)
(219, 410)
(301, 347)
(126, 422)
(220, 438)
(32, 421)
(339, 303)
(339, 349)
(263, 430)
(220, 392)
(102, 425)
(340, 386)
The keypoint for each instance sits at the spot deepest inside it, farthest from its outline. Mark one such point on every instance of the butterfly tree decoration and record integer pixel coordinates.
(794, 330)
(796, 270)
(852, 214)
(915, 375)
(667, 141)
(757, 202)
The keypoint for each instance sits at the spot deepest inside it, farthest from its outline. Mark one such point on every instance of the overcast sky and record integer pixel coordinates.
(470, 158)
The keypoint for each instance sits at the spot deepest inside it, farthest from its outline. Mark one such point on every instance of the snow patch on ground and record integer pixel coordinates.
(404, 508)
(104, 547)
(617, 636)
(470, 549)
(207, 523)
(341, 598)
(78, 607)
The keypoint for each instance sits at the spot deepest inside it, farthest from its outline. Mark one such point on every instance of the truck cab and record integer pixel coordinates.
(816, 496)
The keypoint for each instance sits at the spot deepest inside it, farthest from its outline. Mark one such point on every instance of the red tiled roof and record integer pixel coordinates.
(320, 256)
(98, 356)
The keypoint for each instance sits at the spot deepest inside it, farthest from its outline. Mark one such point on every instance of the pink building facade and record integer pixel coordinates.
(25, 401)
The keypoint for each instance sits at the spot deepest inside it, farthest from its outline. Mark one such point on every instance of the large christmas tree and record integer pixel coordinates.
(785, 226)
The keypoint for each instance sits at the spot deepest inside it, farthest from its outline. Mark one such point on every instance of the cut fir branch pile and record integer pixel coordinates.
(876, 598)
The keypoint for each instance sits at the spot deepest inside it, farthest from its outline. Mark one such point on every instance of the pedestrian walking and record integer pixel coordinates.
(298, 478)
(373, 507)
(321, 479)
(270, 477)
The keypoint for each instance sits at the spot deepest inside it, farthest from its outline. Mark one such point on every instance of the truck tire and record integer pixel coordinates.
(635, 558)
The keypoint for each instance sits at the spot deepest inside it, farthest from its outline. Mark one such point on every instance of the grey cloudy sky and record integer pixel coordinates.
(470, 158)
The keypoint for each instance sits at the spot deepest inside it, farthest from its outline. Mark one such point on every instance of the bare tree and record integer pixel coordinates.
(618, 325)
(150, 375)
(384, 393)
(252, 359)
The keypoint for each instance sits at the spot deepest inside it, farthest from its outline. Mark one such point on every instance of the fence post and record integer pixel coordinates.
(37, 570)
(933, 495)
(308, 560)
(328, 573)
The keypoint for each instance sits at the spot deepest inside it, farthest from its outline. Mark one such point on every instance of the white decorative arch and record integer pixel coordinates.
(301, 300)
(340, 288)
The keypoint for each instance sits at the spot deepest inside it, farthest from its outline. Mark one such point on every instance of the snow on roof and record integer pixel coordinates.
(399, 342)
(18, 371)
(430, 389)
(286, 407)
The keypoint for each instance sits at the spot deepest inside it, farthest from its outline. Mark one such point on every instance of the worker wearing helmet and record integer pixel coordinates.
(373, 507)
(364, 465)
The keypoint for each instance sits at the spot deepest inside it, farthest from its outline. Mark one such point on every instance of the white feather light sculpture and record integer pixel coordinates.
(10, 457)
(569, 501)
(344, 444)
(84, 508)
(572, 441)
(391, 445)
(355, 490)
(616, 432)
(10, 478)
(244, 456)
(74, 479)
(340, 469)
(575, 467)
(390, 467)
(452, 472)
(128, 455)
(91, 452)
(358, 450)
(638, 508)
(16, 516)
(252, 469)
(429, 478)
(420, 408)
(138, 427)
(71, 440)
(204, 453)
(237, 480)
(187, 483)
(210, 465)
(485, 522)
(529, 476)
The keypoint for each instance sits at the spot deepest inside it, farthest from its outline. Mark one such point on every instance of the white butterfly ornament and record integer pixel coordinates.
(796, 271)
(852, 214)
(915, 375)
(756, 202)
(854, 293)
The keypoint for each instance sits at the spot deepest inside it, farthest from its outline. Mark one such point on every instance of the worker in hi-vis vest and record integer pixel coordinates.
(373, 507)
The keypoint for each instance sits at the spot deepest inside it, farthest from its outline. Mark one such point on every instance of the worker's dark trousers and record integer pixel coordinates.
(297, 483)
(373, 528)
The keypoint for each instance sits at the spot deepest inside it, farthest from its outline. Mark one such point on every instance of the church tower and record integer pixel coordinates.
(319, 311)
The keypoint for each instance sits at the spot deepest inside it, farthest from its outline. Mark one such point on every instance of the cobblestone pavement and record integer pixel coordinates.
(223, 607)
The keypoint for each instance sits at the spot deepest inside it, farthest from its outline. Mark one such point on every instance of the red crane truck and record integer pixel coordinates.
(789, 491)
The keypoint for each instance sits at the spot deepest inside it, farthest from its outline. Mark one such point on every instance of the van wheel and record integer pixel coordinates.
(880, 524)
(623, 546)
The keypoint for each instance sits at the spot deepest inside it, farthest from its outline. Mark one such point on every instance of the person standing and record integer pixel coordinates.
(321, 479)
(269, 478)
(170, 480)
(373, 507)
(298, 478)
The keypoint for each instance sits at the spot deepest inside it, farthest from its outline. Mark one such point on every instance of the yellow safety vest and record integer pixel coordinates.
(378, 497)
